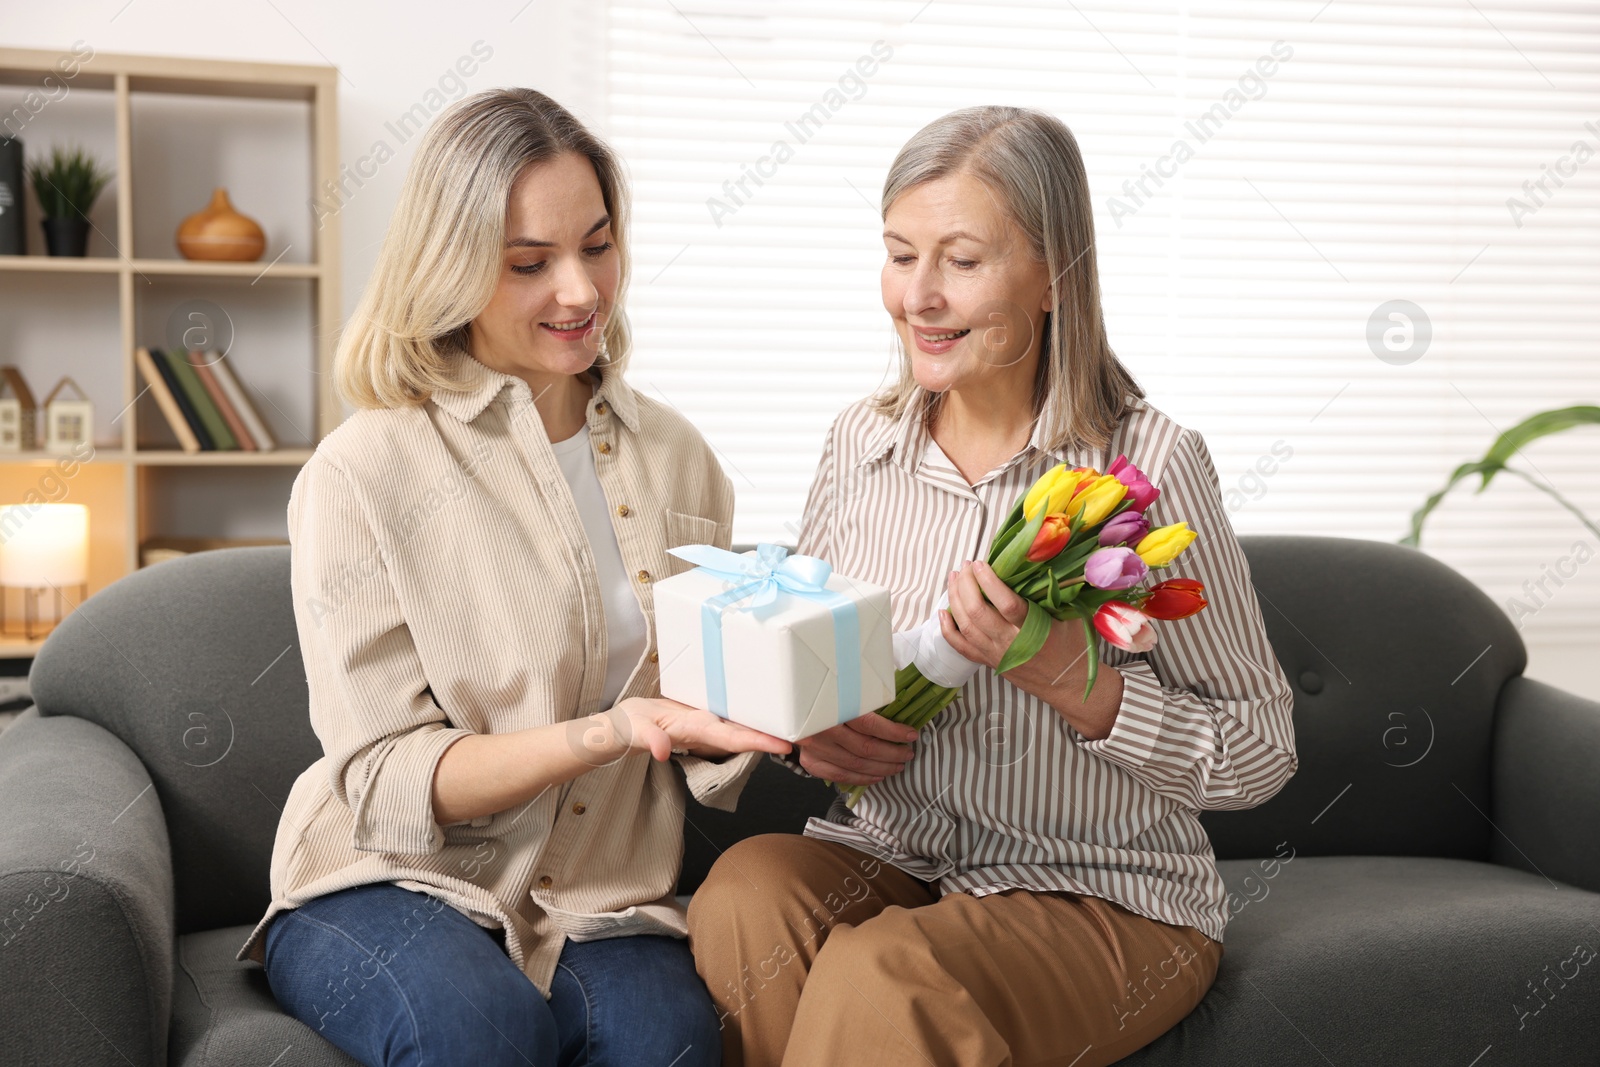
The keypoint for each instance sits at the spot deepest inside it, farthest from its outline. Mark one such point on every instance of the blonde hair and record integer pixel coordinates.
(441, 258)
(1032, 162)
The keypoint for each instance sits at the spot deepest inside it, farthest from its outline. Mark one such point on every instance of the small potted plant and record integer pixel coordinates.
(67, 188)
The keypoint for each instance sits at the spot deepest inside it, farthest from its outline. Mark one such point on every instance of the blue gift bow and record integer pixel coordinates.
(762, 577)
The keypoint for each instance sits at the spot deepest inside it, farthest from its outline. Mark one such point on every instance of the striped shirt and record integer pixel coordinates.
(1003, 793)
(444, 585)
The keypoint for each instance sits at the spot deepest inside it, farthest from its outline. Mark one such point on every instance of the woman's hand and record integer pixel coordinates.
(982, 629)
(862, 751)
(660, 726)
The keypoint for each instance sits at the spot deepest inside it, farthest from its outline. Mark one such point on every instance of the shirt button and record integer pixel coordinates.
(604, 448)
(546, 882)
(579, 808)
(974, 503)
(644, 576)
(654, 657)
(600, 408)
(622, 509)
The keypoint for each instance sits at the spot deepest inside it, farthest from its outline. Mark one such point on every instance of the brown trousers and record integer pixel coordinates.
(816, 953)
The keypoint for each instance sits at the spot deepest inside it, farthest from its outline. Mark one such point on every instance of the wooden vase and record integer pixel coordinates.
(220, 233)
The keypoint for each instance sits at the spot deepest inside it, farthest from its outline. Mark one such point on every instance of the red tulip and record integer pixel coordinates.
(1125, 626)
(1175, 598)
(1053, 536)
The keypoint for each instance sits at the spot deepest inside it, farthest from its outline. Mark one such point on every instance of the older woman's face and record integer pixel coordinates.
(559, 273)
(965, 292)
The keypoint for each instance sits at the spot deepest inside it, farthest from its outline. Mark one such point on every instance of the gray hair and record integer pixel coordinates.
(1031, 160)
(441, 257)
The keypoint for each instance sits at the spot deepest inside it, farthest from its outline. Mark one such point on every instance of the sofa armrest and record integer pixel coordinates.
(86, 908)
(1544, 792)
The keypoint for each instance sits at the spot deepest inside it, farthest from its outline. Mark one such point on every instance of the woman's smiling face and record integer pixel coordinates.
(967, 296)
(558, 276)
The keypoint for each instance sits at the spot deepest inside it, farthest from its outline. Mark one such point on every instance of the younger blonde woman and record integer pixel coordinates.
(481, 868)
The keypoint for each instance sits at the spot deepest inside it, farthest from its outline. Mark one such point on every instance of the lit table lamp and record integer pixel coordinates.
(43, 548)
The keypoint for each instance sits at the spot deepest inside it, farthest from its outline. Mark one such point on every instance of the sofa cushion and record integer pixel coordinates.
(1380, 959)
(224, 1014)
(195, 665)
(1396, 662)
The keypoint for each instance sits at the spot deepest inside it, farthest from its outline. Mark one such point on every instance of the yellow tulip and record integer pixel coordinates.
(1098, 499)
(1054, 489)
(1162, 545)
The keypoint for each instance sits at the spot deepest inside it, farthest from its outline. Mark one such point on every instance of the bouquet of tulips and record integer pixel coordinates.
(1076, 545)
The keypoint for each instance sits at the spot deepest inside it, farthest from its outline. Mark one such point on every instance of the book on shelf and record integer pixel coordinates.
(222, 370)
(172, 400)
(203, 401)
(222, 438)
(214, 391)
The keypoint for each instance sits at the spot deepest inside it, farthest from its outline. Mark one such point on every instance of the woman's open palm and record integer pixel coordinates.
(661, 726)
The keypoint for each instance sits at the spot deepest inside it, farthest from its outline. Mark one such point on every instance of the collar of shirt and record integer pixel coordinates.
(478, 385)
(909, 441)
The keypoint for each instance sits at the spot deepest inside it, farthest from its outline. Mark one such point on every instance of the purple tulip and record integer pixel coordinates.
(1114, 568)
(1124, 527)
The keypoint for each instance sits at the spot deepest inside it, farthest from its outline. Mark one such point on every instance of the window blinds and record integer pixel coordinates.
(1348, 242)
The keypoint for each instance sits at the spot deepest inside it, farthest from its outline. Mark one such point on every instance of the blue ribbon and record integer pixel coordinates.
(759, 579)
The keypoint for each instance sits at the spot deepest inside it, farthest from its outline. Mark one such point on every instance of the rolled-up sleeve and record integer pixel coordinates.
(371, 707)
(1206, 715)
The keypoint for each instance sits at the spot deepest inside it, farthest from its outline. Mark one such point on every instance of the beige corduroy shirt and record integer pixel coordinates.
(444, 585)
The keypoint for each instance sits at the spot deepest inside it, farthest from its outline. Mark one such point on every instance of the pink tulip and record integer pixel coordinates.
(1125, 626)
(1140, 491)
(1114, 568)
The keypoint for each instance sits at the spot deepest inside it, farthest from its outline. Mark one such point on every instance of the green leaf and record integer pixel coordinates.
(1016, 510)
(68, 185)
(1091, 645)
(1029, 640)
(1015, 553)
(1534, 427)
(1500, 452)
(1003, 538)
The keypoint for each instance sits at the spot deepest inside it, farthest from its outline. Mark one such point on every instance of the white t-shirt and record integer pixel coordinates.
(626, 630)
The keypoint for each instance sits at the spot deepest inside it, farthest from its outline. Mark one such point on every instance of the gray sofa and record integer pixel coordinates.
(1425, 890)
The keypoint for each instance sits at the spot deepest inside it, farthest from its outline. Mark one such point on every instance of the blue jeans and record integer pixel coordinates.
(397, 977)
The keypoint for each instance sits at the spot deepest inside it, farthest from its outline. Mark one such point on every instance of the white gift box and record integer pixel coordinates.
(766, 640)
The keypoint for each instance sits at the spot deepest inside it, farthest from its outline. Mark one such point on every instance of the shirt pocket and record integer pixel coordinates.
(663, 918)
(685, 529)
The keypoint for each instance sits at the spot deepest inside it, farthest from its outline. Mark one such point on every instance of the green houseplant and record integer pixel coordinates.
(67, 187)
(1498, 459)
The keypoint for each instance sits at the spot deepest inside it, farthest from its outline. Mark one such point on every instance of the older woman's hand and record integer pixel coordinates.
(661, 727)
(862, 751)
(982, 629)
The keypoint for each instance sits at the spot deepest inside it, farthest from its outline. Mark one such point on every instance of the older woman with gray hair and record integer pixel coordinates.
(1026, 881)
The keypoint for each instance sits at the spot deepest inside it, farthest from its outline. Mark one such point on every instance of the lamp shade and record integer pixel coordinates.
(43, 545)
